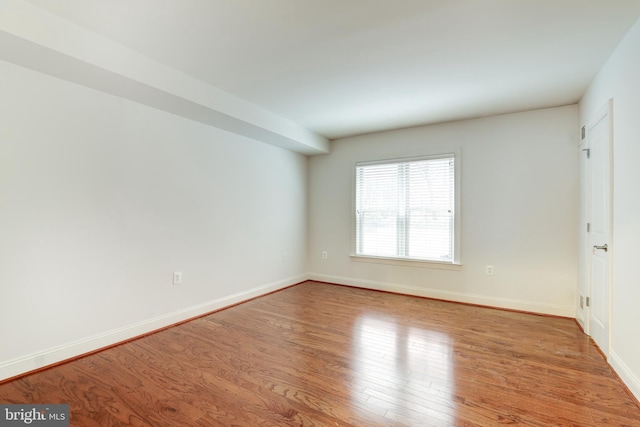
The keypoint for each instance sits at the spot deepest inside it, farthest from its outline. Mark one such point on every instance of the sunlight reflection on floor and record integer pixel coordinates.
(403, 373)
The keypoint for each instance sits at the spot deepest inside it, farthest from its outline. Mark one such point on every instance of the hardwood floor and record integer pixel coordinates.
(324, 355)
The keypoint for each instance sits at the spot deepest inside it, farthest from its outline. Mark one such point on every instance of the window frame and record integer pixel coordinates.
(456, 262)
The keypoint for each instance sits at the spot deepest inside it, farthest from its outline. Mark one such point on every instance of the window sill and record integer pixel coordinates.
(407, 262)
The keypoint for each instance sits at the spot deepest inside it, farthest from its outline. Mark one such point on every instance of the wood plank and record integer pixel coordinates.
(324, 355)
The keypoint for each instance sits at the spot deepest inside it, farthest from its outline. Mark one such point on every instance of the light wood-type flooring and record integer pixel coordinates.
(326, 355)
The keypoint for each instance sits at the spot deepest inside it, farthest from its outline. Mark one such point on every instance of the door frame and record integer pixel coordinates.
(584, 254)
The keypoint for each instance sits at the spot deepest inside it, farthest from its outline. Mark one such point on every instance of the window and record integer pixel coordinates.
(406, 209)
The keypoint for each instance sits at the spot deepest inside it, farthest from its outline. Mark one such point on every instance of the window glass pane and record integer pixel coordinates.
(430, 222)
(377, 210)
(379, 236)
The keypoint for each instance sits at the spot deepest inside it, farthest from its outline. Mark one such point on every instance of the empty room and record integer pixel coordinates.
(319, 212)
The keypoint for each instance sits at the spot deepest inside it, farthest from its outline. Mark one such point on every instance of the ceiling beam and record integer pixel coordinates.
(33, 38)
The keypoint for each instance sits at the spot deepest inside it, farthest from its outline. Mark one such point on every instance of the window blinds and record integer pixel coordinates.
(405, 209)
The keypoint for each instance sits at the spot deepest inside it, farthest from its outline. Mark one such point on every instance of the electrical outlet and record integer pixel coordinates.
(581, 301)
(325, 255)
(177, 277)
(489, 270)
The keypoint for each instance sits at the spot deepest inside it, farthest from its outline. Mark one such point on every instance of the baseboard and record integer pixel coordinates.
(506, 303)
(55, 355)
(626, 374)
(580, 319)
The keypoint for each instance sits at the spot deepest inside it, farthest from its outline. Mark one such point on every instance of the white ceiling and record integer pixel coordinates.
(346, 67)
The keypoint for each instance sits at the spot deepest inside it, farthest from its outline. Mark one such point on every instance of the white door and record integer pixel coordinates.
(599, 138)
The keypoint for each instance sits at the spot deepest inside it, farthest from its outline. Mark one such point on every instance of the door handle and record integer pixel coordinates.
(603, 247)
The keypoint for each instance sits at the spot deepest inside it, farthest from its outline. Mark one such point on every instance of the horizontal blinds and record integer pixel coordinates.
(405, 209)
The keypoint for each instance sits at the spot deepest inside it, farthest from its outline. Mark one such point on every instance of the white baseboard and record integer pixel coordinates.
(30, 362)
(580, 319)
(511, 304)
(626, 374)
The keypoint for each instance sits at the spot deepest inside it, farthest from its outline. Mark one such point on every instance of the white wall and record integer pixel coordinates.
(519, 211)
(101, 199)
(619, 80)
